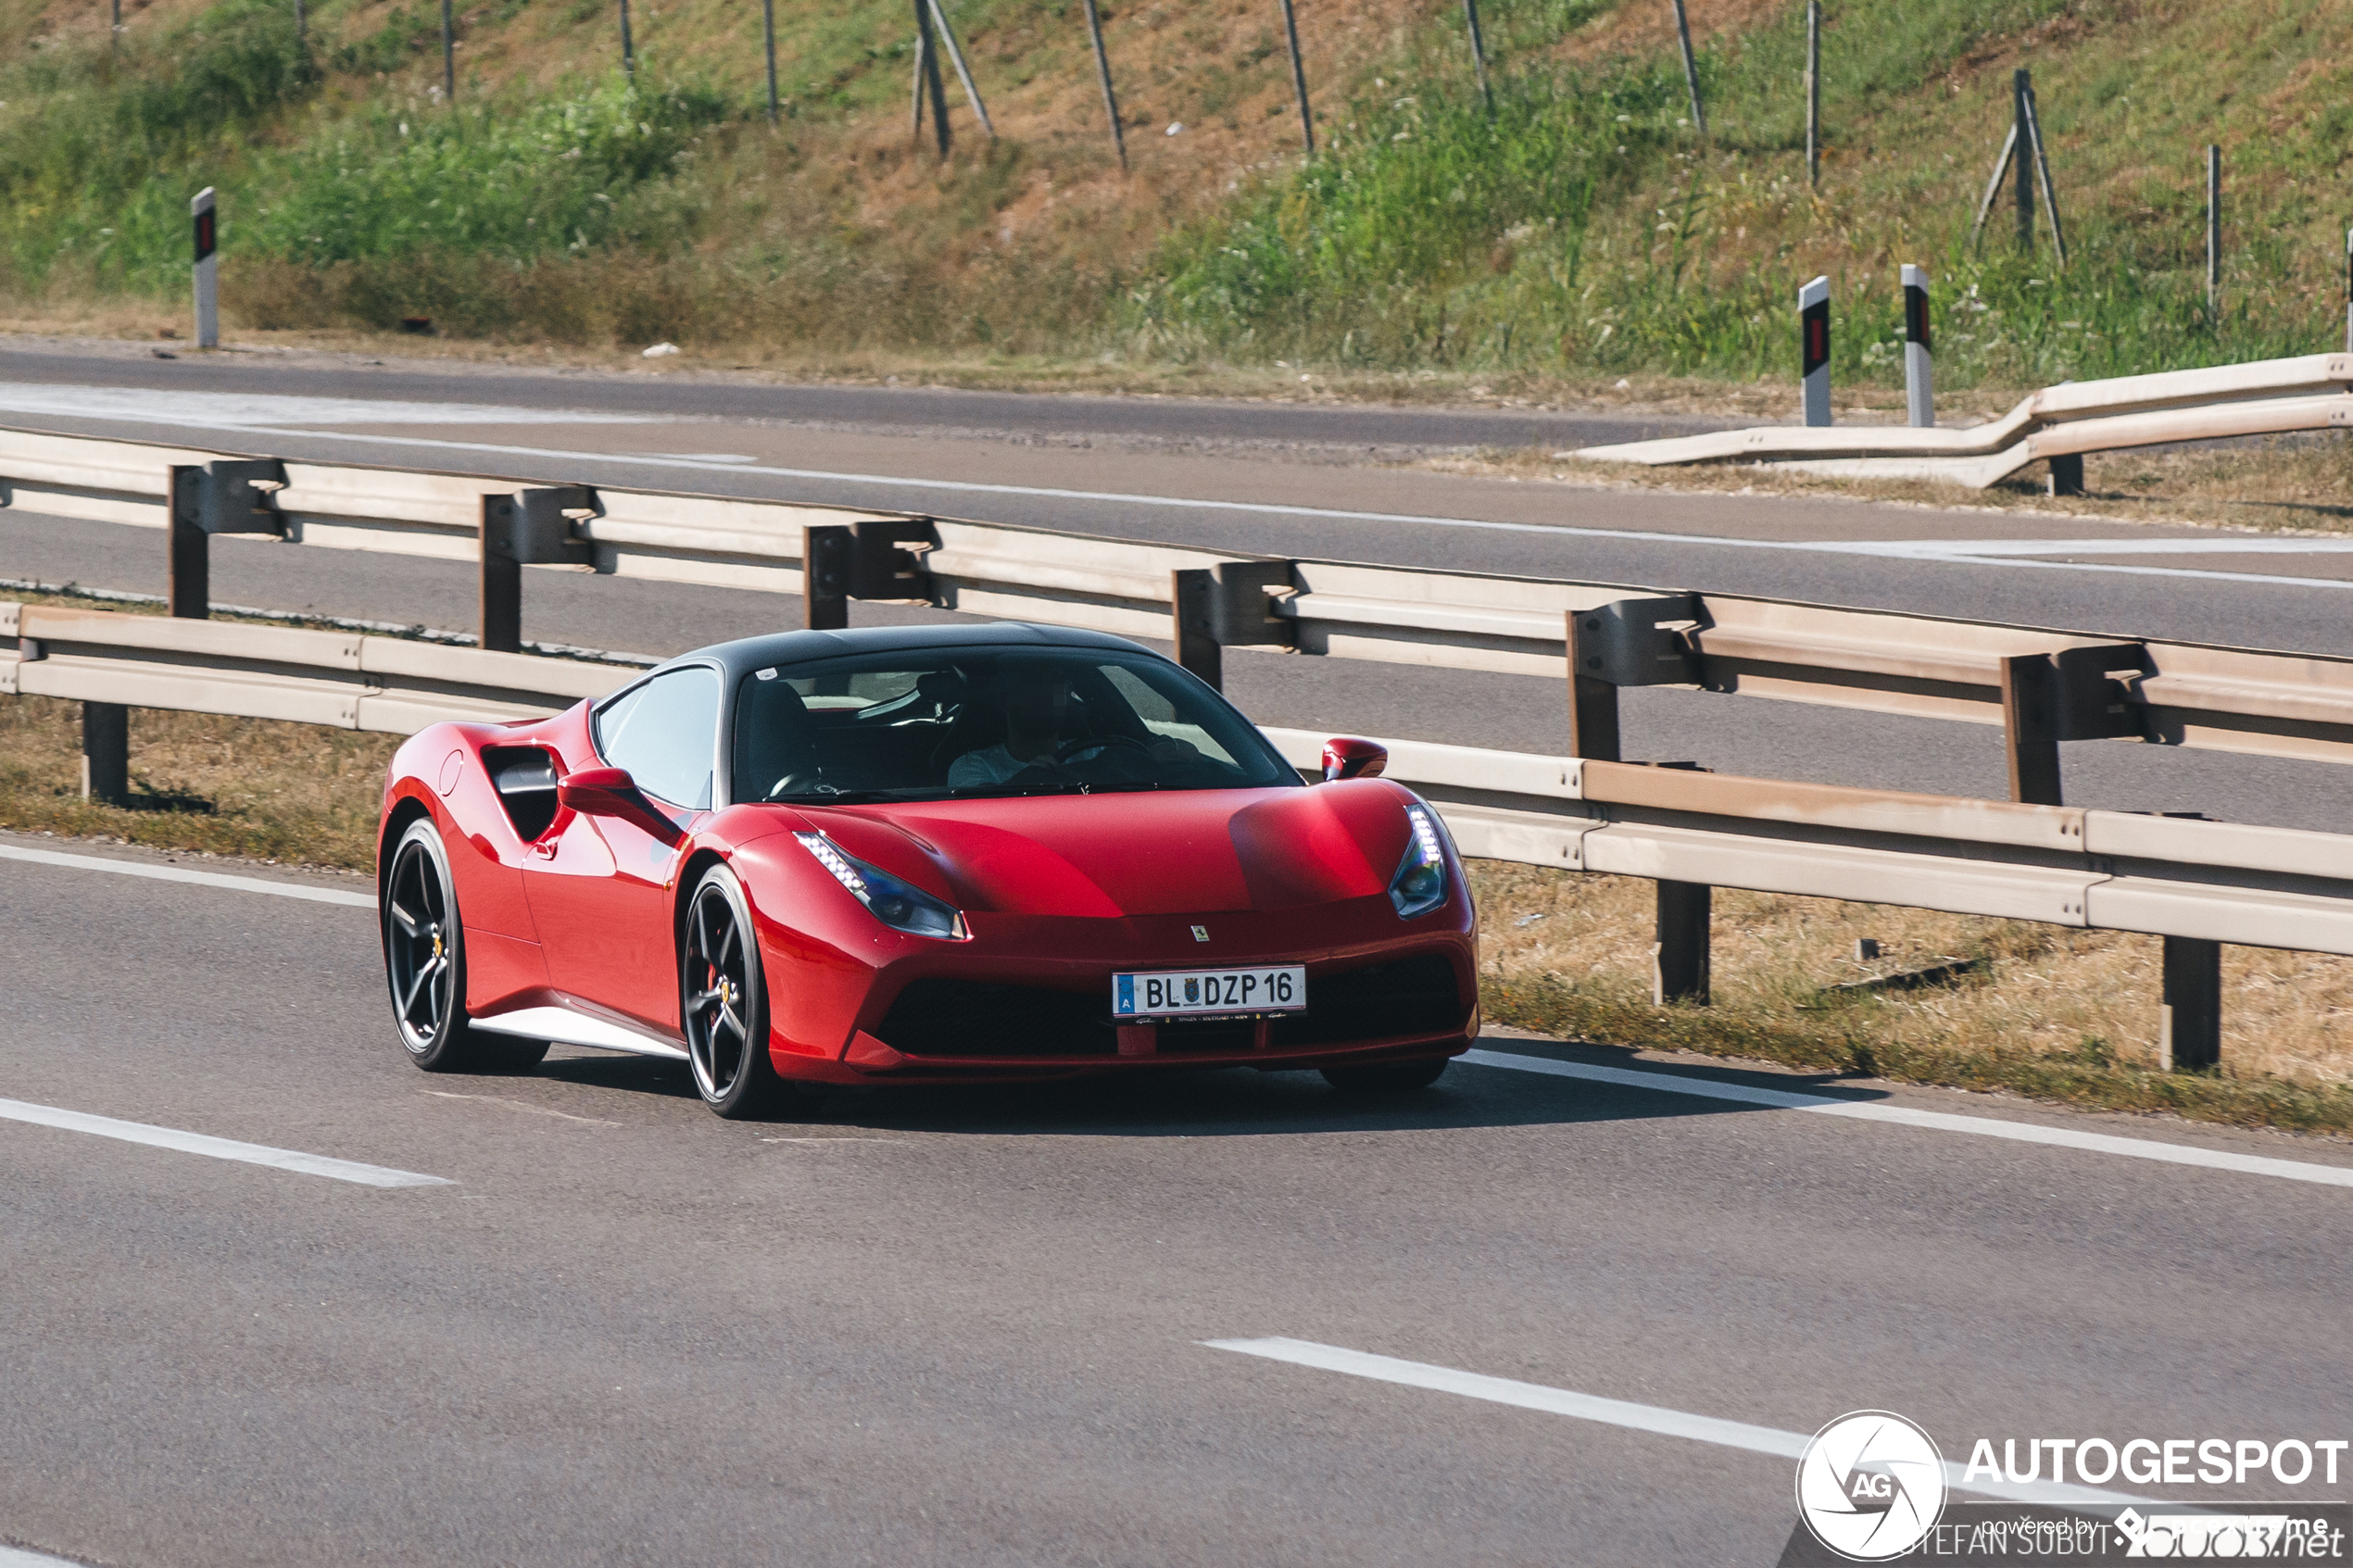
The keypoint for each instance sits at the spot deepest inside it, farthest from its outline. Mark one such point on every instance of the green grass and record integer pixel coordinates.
(98, 147)
(1584, 226)
(102, 185)
(1575, 227)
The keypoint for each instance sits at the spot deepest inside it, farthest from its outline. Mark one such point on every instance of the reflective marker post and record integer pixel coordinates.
(1813, 334)
(1919, 397)
(207, 270)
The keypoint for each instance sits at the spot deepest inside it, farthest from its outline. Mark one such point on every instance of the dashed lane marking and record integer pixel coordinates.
(180, 873)
(1615, 1413)
(217, 1148)
(16, 1557)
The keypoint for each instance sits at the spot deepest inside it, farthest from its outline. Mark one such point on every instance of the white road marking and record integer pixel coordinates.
(1935, 1121)
(218, 1149)
(13, 1557)
(243, 410)
(2211, 544)
(1813, 546)
(177, 873)
(1616, 1412)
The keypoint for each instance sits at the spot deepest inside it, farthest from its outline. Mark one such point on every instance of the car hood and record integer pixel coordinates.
(1182, 852)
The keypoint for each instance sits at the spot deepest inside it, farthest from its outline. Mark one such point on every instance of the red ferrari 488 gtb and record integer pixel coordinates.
(917, 855)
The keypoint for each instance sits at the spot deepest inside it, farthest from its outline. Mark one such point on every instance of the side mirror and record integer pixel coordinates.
(610, 792)
(1345, 757)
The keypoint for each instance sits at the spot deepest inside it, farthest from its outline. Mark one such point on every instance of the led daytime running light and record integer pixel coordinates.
(889, 900)
(1419, 885)
(834, 861)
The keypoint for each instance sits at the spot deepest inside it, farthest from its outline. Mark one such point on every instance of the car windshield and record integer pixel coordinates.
(951, 723)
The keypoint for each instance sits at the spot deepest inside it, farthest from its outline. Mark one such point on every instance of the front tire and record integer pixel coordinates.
(426, 966)
(724, 1004)
(1386, 1077)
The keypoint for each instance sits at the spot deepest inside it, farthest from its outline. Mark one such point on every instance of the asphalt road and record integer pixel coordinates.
(671, 393)
(1272, 478)
(967, 1327)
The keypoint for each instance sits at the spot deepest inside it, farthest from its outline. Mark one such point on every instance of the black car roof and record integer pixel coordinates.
(747, 654)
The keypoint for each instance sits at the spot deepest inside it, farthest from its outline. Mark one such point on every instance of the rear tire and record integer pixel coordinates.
(723, 1004)
(1386, 1077)
(426, 966)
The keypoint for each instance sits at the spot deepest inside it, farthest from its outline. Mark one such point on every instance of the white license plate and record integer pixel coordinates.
(1193, 993)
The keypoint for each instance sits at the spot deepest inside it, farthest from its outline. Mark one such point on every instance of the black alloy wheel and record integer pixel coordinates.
(723, 1002)
(426, 966)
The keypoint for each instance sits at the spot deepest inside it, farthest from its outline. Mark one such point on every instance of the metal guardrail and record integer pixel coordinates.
(654, 534)
(2042, 686)
(2310, 392)
(2196, 884)
(349, 680)
(2061, 865)
(2113, 870)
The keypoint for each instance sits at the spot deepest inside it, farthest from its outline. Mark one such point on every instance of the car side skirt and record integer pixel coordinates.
(564, 1027)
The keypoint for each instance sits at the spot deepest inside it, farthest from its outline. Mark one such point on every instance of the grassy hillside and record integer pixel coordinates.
(1579, 227)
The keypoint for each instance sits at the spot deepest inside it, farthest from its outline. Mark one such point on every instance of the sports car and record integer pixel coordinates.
(917, 855)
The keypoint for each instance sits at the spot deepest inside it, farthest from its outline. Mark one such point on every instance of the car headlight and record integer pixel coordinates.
(892, 901)
(1419, 885)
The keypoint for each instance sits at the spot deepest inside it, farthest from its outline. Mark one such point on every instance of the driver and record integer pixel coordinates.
(1037, 701)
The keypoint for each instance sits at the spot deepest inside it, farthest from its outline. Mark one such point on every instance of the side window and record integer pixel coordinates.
(665, 733)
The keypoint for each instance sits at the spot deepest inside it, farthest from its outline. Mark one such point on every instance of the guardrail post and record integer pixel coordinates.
(1678, 961)
(1192, 593)
(1226, 606)
(825, 551)
(841, 562)
(1592, 701)
(2190, 1020)
(1626, 643)
(189, 591)
(2030, 728)
(501, 578)
(2066, 474)
(2075, 693)
(528, 528)
(105, 752)
(228, 495)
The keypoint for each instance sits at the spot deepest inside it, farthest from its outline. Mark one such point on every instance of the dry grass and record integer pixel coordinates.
(2282, 484)
(2053, 1012)
(294, 793)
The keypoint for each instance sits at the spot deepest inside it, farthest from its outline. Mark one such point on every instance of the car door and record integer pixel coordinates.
(602, 895)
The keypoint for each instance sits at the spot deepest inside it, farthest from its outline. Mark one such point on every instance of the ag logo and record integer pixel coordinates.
(1869, 1486)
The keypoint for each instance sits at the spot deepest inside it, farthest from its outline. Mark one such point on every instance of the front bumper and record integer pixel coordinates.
(1029, 997)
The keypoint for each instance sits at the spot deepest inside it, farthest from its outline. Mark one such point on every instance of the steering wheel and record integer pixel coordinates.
(1072, 748)
(800, 781)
